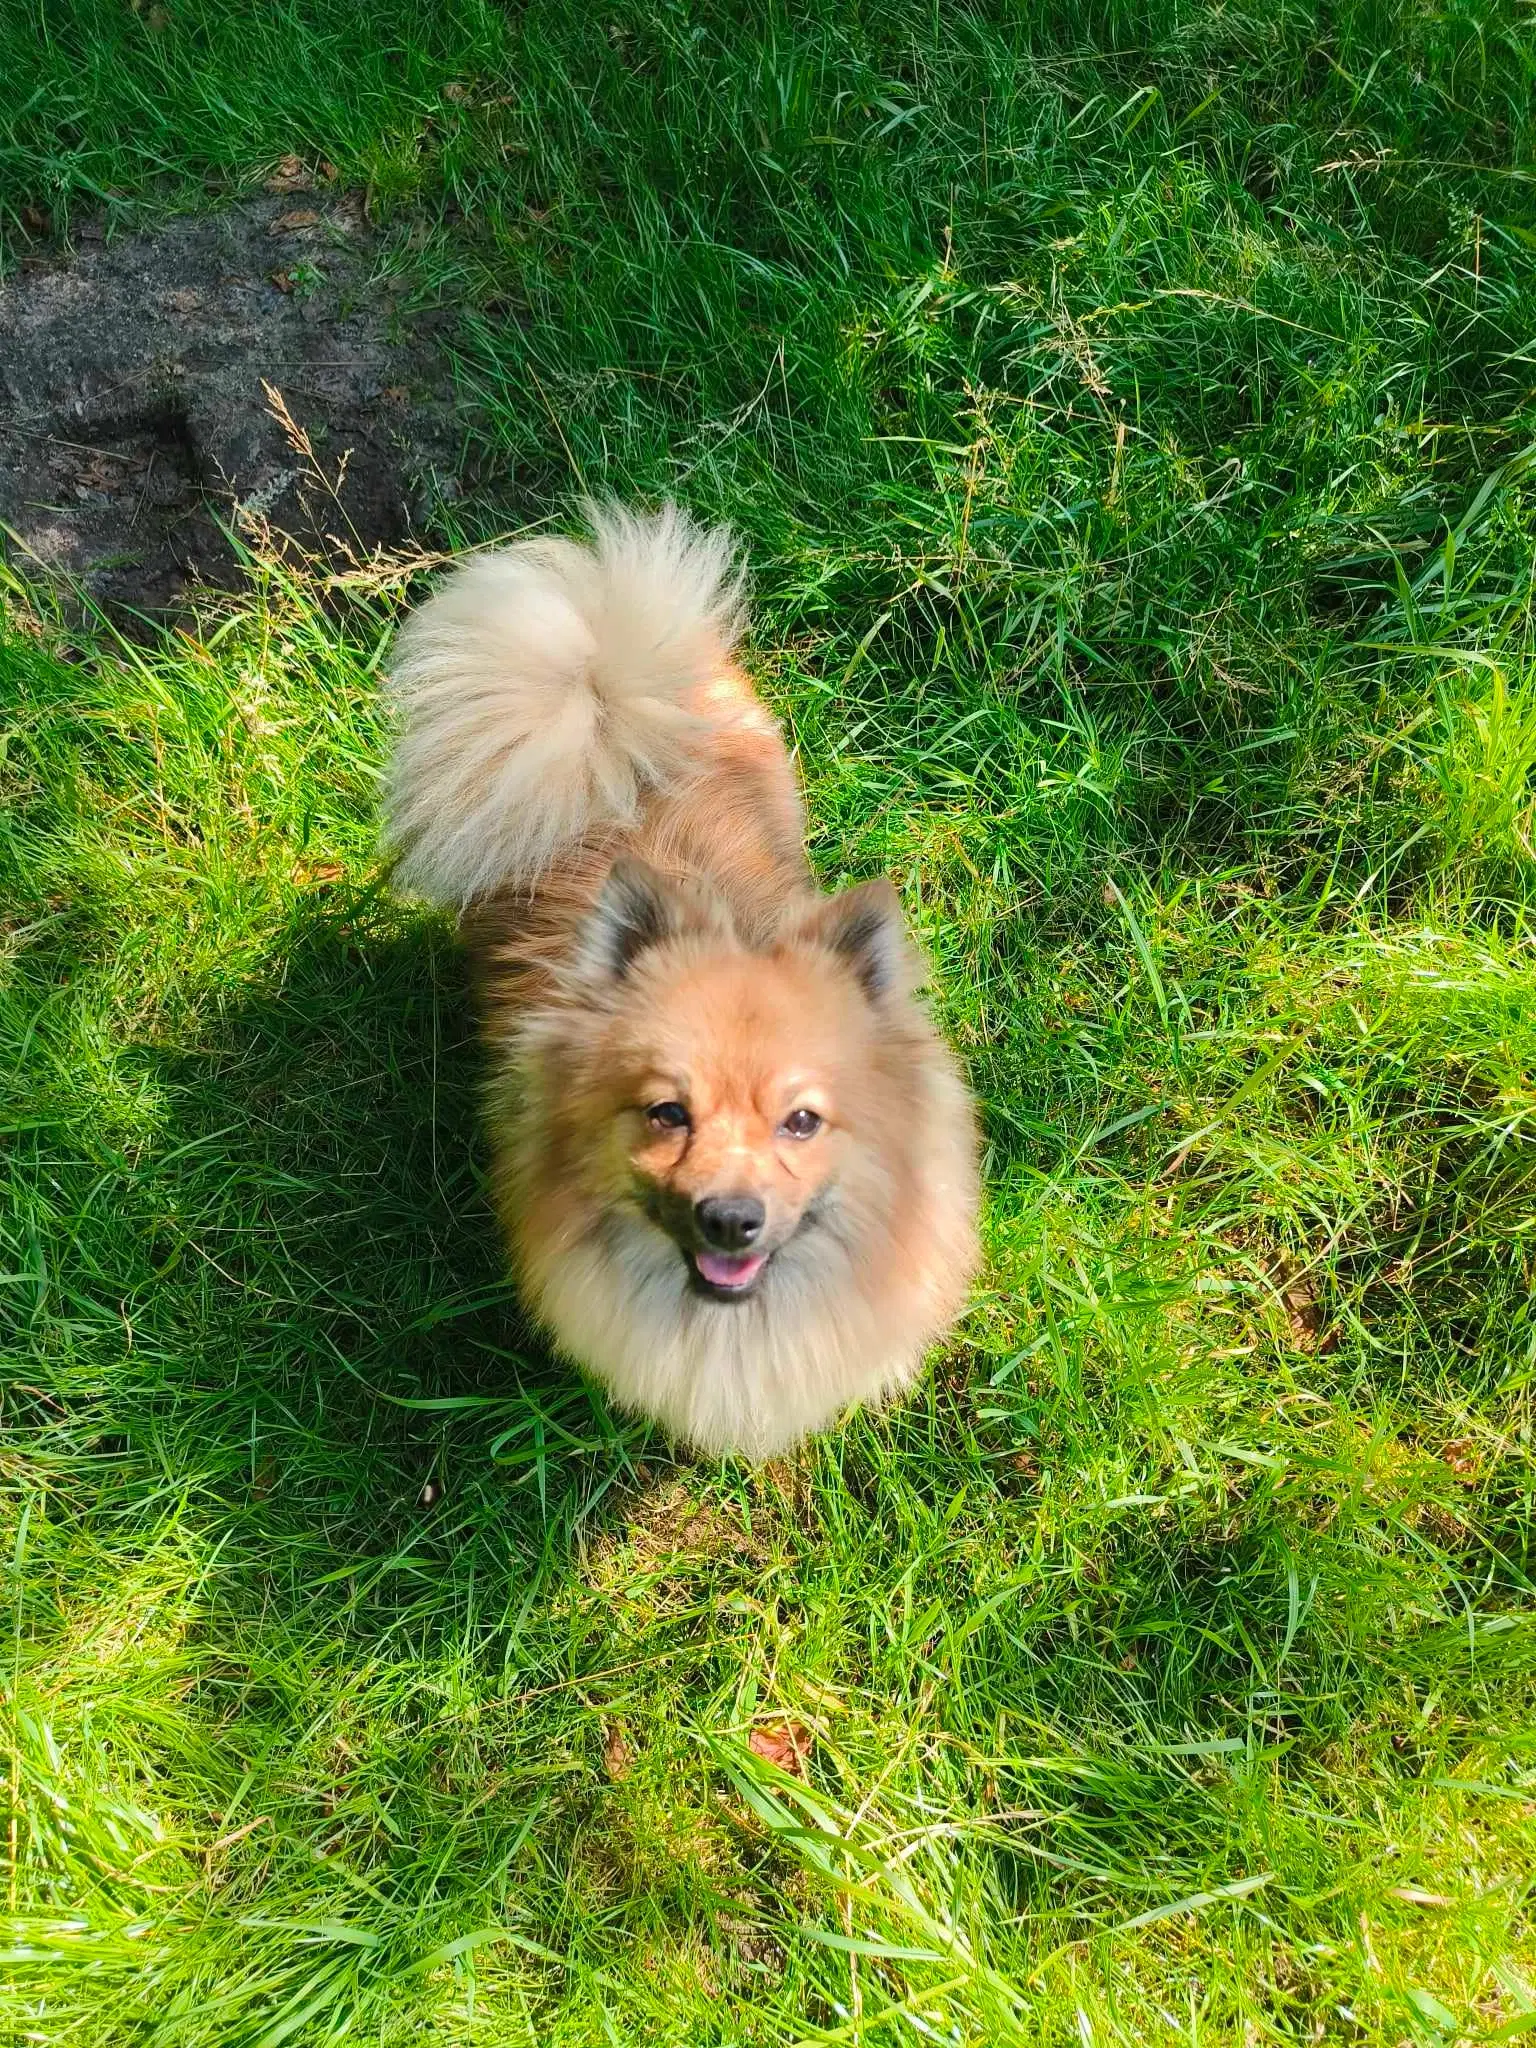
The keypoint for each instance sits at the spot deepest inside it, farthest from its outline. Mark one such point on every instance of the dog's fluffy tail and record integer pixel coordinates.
(543, 693)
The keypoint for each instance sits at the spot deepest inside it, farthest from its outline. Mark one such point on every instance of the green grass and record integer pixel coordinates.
(1129, 412)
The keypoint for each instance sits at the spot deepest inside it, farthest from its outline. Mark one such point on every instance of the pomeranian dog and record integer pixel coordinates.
(735, 1162)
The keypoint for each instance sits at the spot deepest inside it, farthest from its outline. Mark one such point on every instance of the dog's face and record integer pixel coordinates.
(738, 1097)
(730, 1097)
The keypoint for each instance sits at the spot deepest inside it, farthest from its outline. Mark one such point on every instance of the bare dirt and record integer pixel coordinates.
(135, 420)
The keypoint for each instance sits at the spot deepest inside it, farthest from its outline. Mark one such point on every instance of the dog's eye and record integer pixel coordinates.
(801, 1123)
(667, 1116)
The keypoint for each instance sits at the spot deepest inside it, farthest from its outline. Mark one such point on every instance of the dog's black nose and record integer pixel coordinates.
(729, 1223)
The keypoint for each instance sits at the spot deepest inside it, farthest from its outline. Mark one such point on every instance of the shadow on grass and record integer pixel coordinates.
(325, 1361)
(314, 1503)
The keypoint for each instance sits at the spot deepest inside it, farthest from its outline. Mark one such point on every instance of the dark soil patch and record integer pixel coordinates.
(134, 417)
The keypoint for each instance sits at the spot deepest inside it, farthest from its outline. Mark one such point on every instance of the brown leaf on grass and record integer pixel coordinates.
(1304, 1312)
(290, 174)
(615, 1753)
(785, 1743)
(283, 279)
(1461, 1457)
(37, 220)
(291, 222)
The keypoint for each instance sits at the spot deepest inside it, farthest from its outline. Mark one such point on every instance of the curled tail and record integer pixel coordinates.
(543, 692)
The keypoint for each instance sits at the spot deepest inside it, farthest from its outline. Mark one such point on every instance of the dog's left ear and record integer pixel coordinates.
(864, 928)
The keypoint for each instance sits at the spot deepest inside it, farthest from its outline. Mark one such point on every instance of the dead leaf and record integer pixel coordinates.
(289, 175)
(1305, 1313)
(326, 171)
(456, 91)
(785, 1743)
(101, 471)
(1412, 1896)
(291, 222)
(1302, 1310)
(37, 220)
(615, 1753)
(283, 279)
(1461, 1456)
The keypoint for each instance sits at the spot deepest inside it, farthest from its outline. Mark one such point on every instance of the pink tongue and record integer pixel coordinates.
(730, 1269)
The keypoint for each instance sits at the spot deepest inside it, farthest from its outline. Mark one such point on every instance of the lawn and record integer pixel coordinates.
(1129, 415)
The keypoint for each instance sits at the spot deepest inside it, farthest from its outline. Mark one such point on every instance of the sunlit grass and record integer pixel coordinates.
(1126, 413)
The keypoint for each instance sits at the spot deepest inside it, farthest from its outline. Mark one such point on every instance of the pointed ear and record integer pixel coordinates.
(864, 927)
(637, 908)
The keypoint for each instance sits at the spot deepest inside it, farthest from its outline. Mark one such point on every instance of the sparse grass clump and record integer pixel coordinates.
(1128, 412)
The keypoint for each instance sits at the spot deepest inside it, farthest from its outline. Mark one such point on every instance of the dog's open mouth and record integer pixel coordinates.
(728, 1276)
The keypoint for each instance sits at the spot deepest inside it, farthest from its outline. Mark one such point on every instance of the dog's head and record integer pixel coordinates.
(740, 1099)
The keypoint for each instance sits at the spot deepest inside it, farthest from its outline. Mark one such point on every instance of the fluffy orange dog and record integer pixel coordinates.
(736, 1164)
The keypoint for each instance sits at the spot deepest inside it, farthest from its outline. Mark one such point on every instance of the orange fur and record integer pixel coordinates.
(666, 952)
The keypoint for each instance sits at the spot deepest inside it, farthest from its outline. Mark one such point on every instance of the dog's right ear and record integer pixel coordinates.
(863, 927)
(637, 908)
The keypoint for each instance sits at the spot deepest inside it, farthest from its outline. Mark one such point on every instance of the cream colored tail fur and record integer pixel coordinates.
(541, 689)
